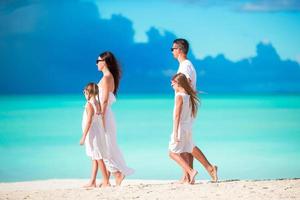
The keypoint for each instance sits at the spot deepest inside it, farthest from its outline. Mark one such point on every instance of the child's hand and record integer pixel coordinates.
(176, 140)
(82, 141)
(104, 128)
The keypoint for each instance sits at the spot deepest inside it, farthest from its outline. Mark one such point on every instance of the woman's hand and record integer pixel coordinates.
(103, 122)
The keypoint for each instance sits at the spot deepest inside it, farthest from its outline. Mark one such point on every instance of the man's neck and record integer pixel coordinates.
(181, 58)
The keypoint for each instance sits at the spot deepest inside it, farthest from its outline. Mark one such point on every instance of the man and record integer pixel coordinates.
(180, 50)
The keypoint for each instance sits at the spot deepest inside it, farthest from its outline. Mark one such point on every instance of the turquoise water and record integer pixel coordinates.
(248, 137)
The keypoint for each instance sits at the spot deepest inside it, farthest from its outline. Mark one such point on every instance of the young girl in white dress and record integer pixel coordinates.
(108, 87)
(185, 109)
(93, 135)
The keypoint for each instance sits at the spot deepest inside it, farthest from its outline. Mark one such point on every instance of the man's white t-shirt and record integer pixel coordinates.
(187, 68)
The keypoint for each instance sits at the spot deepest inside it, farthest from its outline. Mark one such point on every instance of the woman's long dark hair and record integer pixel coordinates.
(113, 66)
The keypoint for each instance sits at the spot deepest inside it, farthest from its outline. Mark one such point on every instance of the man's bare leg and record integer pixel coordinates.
(211, 169)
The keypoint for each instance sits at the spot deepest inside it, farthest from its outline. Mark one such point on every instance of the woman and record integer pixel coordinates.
(108, 87)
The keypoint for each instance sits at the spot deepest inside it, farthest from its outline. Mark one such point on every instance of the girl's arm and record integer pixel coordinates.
(178, 109)
(90, 113)
(105, 96)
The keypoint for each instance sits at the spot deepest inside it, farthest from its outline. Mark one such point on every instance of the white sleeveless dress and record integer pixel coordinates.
(95, 142)
(185, 138)
(115, 161)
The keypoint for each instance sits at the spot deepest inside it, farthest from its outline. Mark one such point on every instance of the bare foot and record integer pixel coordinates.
(214, 174)
(184, 179)
(119, 178)
(102, 185)
(192, 176)
(89, 185)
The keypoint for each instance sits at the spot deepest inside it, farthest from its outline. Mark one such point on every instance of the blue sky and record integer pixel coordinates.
(213, 27)
(245, 47)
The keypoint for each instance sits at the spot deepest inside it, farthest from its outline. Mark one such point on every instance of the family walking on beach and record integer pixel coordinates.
(99, 128)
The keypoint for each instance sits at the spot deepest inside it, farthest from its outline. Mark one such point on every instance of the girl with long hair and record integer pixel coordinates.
(185, 110)
(93, 137)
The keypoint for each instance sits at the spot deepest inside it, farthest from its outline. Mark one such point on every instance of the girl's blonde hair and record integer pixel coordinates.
(93, 90)
(182, 81)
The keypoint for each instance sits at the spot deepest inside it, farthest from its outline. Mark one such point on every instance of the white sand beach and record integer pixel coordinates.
(152, 189)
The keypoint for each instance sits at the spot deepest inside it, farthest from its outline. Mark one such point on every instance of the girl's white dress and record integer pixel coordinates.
(95, 142)
(185, 143)
(115, 161)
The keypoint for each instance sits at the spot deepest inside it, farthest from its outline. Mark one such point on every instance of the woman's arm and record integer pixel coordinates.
(105, 96)
(90, 113)
(178, 109)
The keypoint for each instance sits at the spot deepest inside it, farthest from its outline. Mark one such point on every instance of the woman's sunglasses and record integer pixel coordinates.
(99, 60)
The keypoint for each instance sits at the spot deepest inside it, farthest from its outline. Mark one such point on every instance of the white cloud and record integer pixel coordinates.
(250, 5)
(271, 6)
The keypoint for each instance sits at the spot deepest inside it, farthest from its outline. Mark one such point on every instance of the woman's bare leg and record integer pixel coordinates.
(119, 177)
(108, 174)
(105, 179)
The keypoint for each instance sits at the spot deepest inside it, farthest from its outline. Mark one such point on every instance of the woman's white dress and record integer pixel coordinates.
(95, 142)
(115, 161)
(185, 138)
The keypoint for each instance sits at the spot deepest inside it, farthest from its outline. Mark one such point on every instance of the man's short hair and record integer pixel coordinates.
(183, 44)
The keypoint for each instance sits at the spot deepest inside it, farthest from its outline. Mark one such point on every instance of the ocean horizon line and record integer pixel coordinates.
(171, 94)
